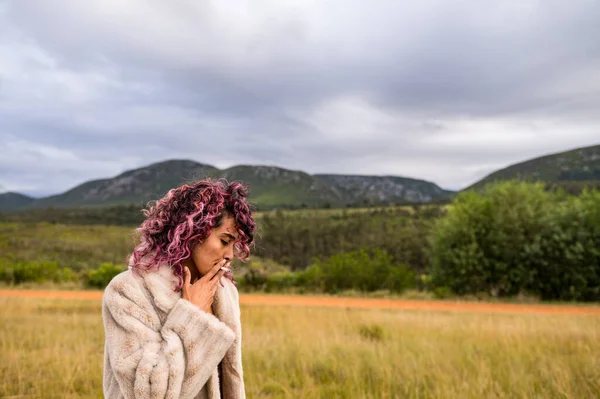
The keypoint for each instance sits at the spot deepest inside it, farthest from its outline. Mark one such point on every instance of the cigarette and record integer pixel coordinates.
(226, 269)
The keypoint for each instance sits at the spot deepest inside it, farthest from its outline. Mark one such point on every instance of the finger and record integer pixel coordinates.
(215, 269)
(186, 277)
(217, 277)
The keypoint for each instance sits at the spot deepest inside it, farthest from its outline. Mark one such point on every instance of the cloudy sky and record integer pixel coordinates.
(447, 91)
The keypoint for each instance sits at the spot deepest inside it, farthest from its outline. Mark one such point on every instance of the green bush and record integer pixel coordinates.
(280, 281)
(25, 271)
(254, 279)
(65, 274)
(570, 250)
(360, 270)
(372, 332)
(100, 277)
(517, 238)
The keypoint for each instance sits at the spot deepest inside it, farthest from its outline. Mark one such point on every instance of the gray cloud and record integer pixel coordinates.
(444, 91)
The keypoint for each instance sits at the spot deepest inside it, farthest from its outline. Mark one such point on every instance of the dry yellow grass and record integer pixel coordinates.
(51, 348)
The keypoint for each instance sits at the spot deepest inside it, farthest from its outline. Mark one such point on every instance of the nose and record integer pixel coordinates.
(229, 253)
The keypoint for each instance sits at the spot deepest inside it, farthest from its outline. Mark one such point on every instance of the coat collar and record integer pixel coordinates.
(161, 283)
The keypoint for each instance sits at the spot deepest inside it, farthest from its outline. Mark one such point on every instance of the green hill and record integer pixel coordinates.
(11, 201)
(270, 187)
(572, 169)
(131, 187)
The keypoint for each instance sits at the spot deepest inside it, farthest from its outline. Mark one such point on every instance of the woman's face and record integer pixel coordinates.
(216, 247)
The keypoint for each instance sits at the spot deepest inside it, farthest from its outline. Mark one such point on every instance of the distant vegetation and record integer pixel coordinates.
(116, 215)
(57, 253)
(512, 239)
(297, 238)
(131, 215)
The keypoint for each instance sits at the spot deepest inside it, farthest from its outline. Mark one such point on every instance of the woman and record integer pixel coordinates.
(172, 322)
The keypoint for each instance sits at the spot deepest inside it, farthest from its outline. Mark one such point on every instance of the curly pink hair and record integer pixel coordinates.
(185, 216)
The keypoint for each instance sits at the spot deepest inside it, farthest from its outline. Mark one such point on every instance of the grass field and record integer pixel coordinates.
(52, 348)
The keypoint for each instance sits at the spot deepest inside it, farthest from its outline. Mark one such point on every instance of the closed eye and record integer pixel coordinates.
(224, 242)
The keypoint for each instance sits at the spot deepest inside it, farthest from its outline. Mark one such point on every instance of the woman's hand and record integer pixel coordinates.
(202, 292)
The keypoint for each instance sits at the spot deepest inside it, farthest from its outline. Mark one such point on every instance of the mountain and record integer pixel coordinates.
(577, 167)
(11, 201)
(373, 189)
(133, 186)
(270, 187)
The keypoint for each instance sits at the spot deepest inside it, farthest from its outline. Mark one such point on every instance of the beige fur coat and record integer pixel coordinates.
(159, 345)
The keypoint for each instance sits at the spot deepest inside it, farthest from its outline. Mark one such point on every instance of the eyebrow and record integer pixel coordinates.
(229, 235)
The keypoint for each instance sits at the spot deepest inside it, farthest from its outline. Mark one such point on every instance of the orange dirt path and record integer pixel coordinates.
(354, 303)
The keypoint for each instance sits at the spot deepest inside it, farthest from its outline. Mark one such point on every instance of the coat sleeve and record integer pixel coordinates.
(148, 360)
(227, 309)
